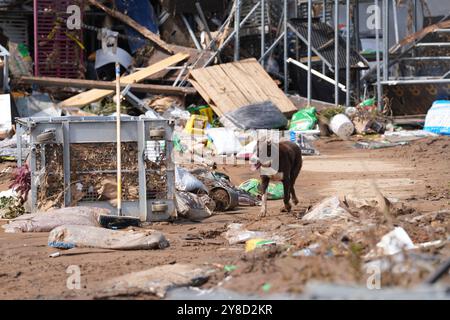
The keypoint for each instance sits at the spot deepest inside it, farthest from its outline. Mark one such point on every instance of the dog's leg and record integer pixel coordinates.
(294, 174)
(294, 196)
(264, 185)
(287, 194)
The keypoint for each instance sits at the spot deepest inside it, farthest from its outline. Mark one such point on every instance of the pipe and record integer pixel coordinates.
(36, 40)
(377, 40)
(316, 73)
(237, 27)
(309, 51)
(286, 48)
(347, 54)
(263, 31)
(191, 33)
(336, 52)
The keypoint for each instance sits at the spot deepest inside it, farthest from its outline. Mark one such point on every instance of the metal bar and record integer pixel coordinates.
(205, 22)
(143, 210)
(336, 52)
(347, 53)
(34, 177)
(395, 14)
(182, 71)
(35, 26)
(66, 163)
(324, 20)
(305, 41)
(285, 47)
(385, 40)
(357, 46)
(440, 272)
(19, 133)
(191, 33)
(396, 82)
(237, 27)
(309, 52)
(425, 58)
(230, 37)
(317, 73)
(433, 44)
(263, 31)
(272, 47)
(377, 40)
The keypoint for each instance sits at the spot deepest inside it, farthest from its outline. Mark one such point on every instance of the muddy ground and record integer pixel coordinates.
(415, 177)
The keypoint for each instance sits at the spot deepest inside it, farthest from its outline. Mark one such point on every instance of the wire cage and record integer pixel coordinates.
(73, 162)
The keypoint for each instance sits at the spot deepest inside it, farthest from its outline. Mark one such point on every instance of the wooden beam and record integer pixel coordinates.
(133, 24)
(92, 84)
(94, 95)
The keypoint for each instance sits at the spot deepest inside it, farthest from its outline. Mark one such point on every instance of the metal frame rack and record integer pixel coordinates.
(153, 139)
(243, 16)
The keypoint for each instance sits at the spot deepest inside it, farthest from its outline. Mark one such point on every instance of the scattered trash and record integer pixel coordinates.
(303, 120)
(266, 287)
(378, 144)
(158, 280)
(225, 198)
(55, 255)
(307, 252)
(194, 207)
(249, 117)
(438, 118)
(342, 126)
(275, 190)
(47, 221)
(236, 234)
(229, 268)
(410, 135)
(394, 242)
(224, 140)
(252, 244)
(328, 209)
(68, 236)
(184, 181)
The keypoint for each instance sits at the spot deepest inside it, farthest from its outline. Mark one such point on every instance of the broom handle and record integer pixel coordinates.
(119, 149)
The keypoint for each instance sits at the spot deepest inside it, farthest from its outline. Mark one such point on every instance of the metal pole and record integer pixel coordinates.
(324, 20)
(285, 51)
(336, 52)
(36, 40)
(357, 46)
(377, 40)
(309, 51)
(385, 40)
(205, 23)
(191, 33)
(263, 30)
(347, 54)
(394, 12)
(237, 18)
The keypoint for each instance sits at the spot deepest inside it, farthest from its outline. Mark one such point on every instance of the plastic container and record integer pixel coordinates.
(342, 126)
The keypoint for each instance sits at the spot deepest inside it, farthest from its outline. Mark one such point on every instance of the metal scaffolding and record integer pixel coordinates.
(287, 30)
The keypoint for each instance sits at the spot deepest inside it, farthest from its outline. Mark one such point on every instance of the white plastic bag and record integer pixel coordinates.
(438, 118)
(185, 181)
(67, 237)
(224, 140)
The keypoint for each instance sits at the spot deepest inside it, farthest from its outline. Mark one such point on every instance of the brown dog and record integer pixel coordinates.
(282, 161)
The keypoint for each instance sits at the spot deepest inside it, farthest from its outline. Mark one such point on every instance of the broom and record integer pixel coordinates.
(118, 221)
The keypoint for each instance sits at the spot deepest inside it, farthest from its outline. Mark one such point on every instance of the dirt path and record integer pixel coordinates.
(417, 175)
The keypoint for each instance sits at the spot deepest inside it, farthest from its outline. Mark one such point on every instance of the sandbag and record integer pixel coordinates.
(67, 237)
(263, 115)
(46, 221)
(194, 207)
(304, 119)
(185, 181)
(275, 191)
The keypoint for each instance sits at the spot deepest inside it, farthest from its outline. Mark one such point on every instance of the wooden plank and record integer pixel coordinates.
(133, 24)
(93, 95)
(92, 84)
(234, 85)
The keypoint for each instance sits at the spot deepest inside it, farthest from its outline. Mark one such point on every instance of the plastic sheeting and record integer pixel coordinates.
(263, 115)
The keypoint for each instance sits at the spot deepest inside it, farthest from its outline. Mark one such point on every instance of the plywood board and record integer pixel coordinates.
(93, 95)
(233, 85)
